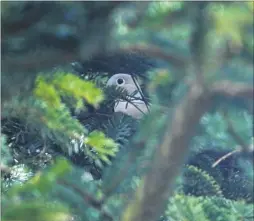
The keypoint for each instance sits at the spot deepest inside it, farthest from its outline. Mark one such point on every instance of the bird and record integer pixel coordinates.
(137, 108)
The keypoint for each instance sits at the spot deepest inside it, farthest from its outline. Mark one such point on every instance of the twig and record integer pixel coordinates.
(235, 136)
(97, 204)
(88, 198)
(132, 103)
(130, 98)
(226, 156)
(141, 93)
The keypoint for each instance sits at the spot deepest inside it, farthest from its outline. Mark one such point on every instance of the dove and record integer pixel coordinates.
(137, 107)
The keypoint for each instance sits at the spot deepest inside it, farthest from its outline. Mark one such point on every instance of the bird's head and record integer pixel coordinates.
(138, 107)
(124, 81)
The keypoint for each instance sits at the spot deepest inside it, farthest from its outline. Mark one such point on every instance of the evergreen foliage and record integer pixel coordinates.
(67, 156)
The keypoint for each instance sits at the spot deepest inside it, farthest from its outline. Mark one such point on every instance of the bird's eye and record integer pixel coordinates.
(120, 81)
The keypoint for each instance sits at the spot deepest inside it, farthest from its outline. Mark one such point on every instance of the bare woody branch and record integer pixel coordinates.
(237, 150)
(230, 89)
(152, 195)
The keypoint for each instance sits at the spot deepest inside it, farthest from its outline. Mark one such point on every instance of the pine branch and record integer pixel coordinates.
(97, 204)
(46, 47)
(87, 198)
(158, 53)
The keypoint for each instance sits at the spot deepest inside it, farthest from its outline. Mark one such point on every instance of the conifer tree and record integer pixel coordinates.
(66, 155)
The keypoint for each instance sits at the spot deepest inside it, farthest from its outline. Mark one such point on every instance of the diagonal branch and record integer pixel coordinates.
(96, 204)
(86, 197)
(239, 149)
(152, 195)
